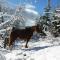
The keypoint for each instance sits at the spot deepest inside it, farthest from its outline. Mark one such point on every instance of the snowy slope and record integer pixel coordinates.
(43, 49)
(38, 52)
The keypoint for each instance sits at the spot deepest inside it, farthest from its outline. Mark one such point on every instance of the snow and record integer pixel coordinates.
(2, 30)
(43, 49)
(4, 23)
(30, 23)
(58, 25)
(35, 53)
(47, 48)
(51, 53)
(31, 11)
(1, 13)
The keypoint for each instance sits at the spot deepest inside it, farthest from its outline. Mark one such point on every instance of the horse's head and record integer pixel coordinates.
(38, 28)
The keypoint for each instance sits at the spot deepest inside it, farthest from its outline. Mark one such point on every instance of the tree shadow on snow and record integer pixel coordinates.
(36, 48)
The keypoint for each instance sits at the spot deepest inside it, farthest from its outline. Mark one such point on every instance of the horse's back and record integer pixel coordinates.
(22, 33)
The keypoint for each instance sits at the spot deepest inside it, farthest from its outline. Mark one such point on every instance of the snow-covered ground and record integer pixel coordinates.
(43, 49)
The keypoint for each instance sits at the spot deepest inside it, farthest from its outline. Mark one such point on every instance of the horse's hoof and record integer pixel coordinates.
(26, 46)
(9, 47)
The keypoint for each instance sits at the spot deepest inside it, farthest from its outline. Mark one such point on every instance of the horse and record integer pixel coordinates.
(23, 34)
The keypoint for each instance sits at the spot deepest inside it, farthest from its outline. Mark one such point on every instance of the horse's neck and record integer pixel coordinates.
(34, 28)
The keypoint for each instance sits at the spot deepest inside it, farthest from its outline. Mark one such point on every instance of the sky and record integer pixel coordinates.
(39, 4)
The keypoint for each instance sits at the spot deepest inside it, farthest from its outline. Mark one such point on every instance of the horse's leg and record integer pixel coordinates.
(11, 40)
(26, 46)
(28, 38)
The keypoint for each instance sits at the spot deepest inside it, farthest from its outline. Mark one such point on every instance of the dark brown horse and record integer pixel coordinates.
(24, 34)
